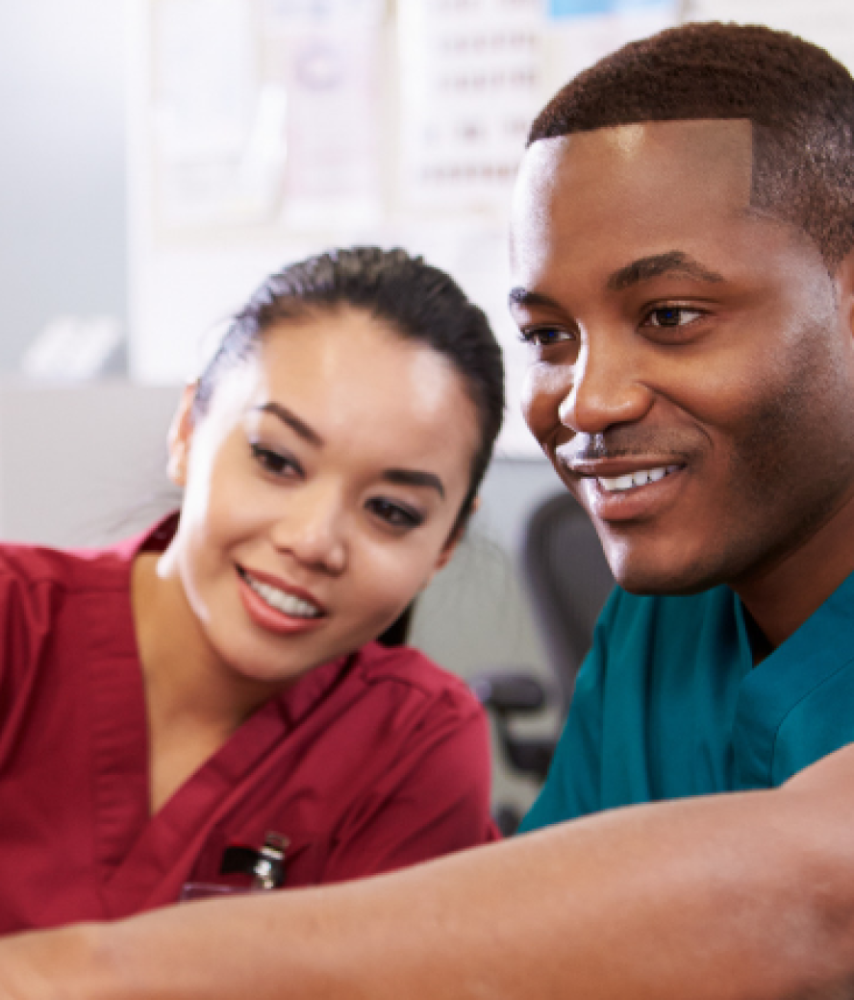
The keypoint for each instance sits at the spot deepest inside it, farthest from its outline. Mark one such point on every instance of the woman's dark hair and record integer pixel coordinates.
(421, 302)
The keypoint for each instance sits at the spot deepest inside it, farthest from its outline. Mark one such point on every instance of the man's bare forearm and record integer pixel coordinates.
(735, 896)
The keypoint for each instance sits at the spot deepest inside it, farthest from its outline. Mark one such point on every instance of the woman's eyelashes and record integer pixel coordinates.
(392, 513)
(395, 514)
(276, 462)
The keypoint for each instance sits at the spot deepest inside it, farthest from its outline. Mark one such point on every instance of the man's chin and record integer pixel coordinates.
(673, 587)
(644, 576)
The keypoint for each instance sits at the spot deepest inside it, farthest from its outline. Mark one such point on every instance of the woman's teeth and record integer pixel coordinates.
(282, 601)
(615, 484)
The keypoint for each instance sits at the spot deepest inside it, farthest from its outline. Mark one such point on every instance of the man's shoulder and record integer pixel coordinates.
(641, 632)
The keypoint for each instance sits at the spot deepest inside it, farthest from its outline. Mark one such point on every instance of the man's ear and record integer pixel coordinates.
(844, 280)
(180, 436)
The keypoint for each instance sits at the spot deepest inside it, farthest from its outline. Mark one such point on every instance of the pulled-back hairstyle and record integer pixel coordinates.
(799, 99)
(420, 302)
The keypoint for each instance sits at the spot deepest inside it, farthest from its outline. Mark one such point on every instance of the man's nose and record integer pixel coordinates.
(313, 529)
(605, 387)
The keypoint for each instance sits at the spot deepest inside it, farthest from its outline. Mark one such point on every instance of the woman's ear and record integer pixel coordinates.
(454, 540)
(180, 436)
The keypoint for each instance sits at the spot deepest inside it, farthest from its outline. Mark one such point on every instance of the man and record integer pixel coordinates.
(684, 274)
(693, 384)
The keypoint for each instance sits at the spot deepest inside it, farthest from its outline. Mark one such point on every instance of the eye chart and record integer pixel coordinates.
(470, 80)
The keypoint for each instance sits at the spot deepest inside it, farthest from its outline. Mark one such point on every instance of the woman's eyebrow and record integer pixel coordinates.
(293, 421)
(404, 477)
(414, 477)
(525, 299)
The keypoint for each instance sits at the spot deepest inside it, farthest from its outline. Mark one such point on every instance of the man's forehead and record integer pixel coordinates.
(725, 144)
(648, 167)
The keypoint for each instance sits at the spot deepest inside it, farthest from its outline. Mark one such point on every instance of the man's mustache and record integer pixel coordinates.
(625, 442)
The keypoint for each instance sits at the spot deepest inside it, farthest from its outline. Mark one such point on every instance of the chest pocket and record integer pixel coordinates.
(304, 857)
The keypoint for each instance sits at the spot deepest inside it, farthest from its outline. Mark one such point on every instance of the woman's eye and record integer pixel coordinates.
(545, 336)
(395, 514)
(275, 462)
(672, 316)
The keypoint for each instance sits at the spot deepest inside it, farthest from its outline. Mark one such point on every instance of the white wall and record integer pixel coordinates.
(62, 165)
(82, 465)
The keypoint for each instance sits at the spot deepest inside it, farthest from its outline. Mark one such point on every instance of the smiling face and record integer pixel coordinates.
(691, 372)
(321, 490)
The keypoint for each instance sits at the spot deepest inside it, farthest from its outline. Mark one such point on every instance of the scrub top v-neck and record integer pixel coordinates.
(668, 704)
(369, 763)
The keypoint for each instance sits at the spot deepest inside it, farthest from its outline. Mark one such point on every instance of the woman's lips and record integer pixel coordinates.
(276, 606)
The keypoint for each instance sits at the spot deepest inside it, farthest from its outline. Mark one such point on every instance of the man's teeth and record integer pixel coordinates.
(614, 484)
(282, 601)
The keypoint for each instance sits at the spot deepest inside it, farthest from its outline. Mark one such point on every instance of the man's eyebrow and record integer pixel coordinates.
(673, 262)
(643, 269)
(413, 477)
(294, 422)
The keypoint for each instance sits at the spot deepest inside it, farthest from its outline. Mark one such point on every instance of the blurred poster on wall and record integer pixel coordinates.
(265, 112)
(828, 23)
(326, 56)
(582, 31)
(205, 93)
(470, 81)
(265, 130)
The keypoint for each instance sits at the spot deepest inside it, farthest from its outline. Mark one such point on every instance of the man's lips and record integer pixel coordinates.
(617, 474)
(626, 489)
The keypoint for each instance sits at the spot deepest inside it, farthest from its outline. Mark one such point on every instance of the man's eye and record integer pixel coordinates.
(545, 336)
(275, 462)
(672, 316)
(395, 514)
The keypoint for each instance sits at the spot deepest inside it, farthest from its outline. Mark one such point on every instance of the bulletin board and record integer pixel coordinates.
(265, 130)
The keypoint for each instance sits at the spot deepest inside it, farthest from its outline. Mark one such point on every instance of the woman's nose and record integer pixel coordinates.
(604, 388)
(313, 530)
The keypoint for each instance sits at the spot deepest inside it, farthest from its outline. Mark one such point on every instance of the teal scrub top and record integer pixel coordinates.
(668, 704)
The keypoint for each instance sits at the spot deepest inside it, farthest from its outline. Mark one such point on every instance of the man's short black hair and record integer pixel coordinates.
(799, 99)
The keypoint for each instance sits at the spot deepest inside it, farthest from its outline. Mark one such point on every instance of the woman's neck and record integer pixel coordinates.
(194, 701)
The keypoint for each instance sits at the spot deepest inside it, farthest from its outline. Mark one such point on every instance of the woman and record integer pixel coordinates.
(188, 707)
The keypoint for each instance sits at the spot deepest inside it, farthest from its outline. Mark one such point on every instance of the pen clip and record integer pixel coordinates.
(266, 865)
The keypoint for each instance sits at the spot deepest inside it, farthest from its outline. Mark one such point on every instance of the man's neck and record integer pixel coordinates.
(782, 597)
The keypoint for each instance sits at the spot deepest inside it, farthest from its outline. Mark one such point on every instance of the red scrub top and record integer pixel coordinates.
(370, 763)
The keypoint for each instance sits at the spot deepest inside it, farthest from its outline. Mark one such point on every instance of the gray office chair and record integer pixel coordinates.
(568, 582)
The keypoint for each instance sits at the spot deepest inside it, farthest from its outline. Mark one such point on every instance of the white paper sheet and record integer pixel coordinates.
(204, 102)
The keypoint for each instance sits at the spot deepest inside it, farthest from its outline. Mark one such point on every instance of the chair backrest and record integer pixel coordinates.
(569, 581)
